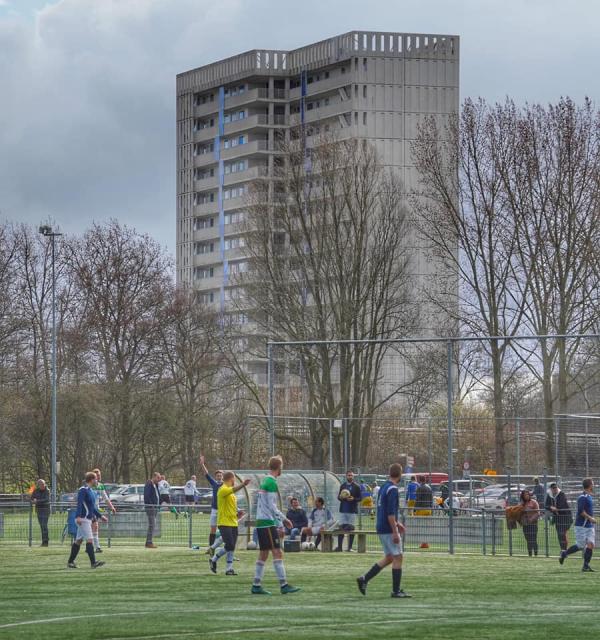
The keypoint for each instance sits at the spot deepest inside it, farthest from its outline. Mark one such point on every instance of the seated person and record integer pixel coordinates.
(320, 518)
(297, 516)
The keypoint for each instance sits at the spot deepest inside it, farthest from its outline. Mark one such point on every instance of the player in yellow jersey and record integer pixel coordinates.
(227, 521)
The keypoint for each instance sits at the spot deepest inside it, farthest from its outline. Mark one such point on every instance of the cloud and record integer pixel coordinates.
(88, 86)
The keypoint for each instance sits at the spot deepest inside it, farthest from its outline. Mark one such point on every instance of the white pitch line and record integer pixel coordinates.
(143, 613)
(334, 625)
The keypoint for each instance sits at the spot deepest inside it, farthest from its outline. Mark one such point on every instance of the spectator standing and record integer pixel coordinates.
(411, 493)
(423, 498)
(529, 521)
(585, 533)
(558, 505)
(539, 492)
(151, 506)
(40, 498)
(349, 497)
(297, 516)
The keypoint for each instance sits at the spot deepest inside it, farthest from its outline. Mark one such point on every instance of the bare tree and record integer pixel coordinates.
(464, 220)
(328, 261)
(126, 278)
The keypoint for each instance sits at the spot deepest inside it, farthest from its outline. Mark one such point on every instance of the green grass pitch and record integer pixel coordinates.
(169, 593)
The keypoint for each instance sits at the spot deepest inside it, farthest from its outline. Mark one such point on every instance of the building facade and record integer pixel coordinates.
(362, 84)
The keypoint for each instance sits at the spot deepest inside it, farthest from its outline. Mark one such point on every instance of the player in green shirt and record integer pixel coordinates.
(268, 517)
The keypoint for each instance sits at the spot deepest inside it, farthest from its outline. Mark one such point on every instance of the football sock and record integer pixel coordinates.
(96, 539)
(219, 554)
(572, 549)
(211, 539)
(396, 577)
(340, 541)
(259, 572)
(372, 572)
(74, 551)
(350, 541)
(89, 549)
(303, 538)
(587, 556)
(318, 540)
(280, 571)
(229, 560)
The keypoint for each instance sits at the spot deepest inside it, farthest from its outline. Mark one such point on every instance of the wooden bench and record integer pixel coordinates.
(327, 538)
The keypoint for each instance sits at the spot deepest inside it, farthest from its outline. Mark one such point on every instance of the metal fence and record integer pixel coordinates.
(465, 529)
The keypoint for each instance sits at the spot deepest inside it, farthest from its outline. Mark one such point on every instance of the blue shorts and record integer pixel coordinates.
(347, 521)
(390, 548)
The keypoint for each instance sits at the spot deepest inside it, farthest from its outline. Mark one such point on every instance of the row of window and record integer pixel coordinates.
(202, 248)
(203, 273)
(235, 217)
(228, 143)
(234, 192)
(205, 98)
(234, 116)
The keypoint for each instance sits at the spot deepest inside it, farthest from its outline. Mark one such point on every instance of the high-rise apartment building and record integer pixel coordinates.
(372, 85)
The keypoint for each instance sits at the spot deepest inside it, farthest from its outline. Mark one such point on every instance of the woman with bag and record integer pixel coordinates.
(529, 521)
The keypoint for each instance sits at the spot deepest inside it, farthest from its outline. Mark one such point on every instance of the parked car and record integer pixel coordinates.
(496, 497)
(203, 500)
(126, 491)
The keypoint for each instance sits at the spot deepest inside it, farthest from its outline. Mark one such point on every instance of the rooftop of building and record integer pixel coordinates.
(273, 62)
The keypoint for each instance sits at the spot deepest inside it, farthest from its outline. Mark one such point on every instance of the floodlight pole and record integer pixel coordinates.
(48, 232)
(450, 345)
(270, 400)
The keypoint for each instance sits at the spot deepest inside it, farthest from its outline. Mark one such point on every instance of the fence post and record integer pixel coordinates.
(109, 524)
(518, 435)
(429, 446)
(493, 533)
(270, 400)
(556, 464)
(587, 451)
(510, 539)
(483, 533)
(190, 528)
(331, 445)
(450, 398)
(30, 525)
(546, 536)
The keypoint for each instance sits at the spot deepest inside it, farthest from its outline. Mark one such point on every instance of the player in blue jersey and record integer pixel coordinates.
(585, 533)
(390, 530)
(86, 512)
(216, 483)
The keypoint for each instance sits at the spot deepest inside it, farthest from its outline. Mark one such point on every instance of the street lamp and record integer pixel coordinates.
(48, 232)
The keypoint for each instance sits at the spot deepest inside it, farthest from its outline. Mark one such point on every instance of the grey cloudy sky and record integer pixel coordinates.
(87, 129)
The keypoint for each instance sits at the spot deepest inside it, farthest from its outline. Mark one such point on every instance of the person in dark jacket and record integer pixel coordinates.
(424, 498)
(349, 497)
(151, 506)
(558, 505)
(297, 516)
(539, 492)
(40, 497)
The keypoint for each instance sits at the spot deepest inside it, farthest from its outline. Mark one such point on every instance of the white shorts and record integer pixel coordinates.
(585, 535)
(84, 530)
(213, 517)
(348, 519)
(390, 548)
(316, 529)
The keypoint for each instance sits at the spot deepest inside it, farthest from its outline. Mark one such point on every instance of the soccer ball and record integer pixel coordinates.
(251, 546)
(311, 546)
(344, 493)
(305, 546)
